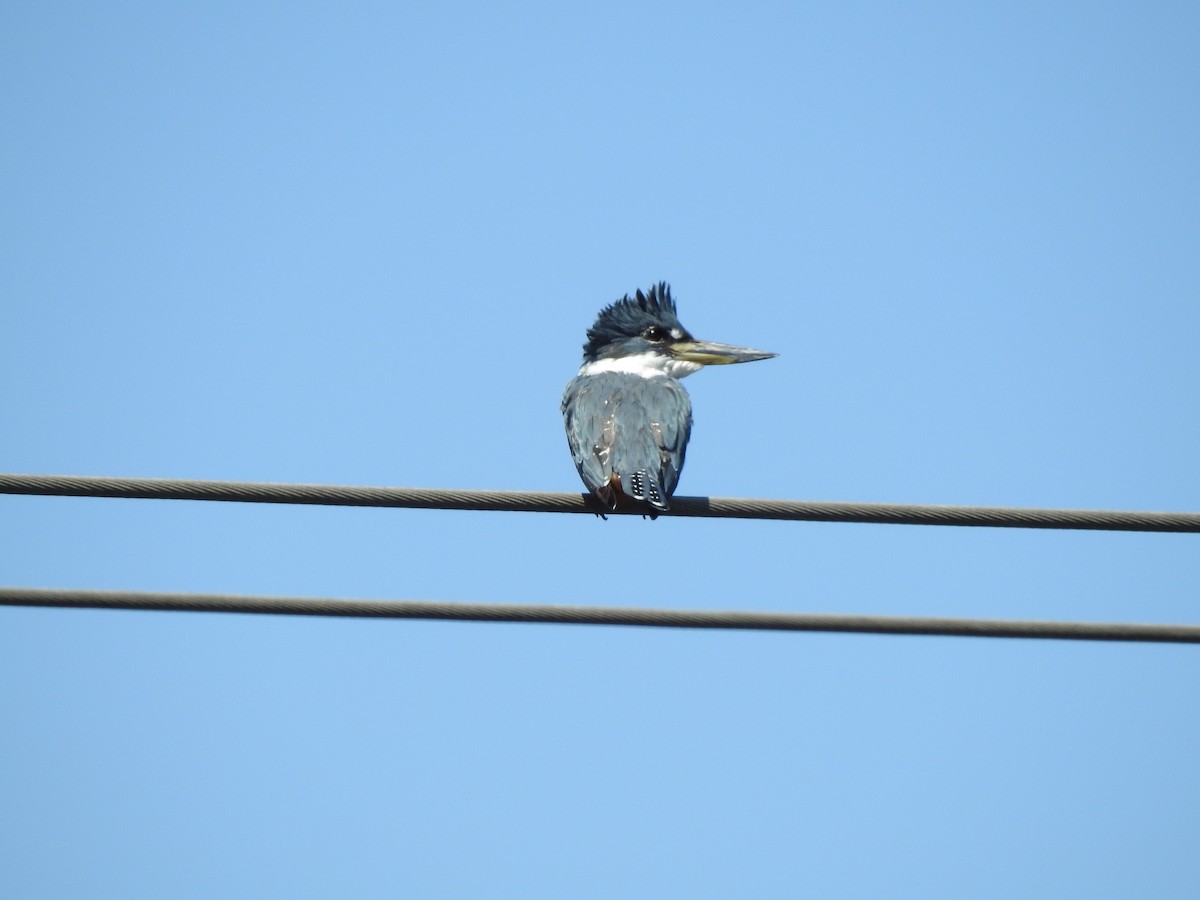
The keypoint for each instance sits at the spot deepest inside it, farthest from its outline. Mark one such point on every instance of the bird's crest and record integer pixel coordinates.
(629, 316)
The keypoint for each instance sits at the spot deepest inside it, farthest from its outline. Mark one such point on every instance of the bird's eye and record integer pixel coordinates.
(655, 333)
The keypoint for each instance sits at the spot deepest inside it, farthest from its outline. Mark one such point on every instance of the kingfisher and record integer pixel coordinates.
(627, 417)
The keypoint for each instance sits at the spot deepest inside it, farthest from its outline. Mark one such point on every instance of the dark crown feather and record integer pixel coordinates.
(629, 317)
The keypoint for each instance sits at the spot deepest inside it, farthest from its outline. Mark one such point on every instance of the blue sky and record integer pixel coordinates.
(361, 243)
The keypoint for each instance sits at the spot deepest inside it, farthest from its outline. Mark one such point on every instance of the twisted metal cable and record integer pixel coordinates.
(541, 501)
(600, 615)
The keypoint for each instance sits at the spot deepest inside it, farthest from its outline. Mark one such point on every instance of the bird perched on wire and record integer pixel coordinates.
(627, 417)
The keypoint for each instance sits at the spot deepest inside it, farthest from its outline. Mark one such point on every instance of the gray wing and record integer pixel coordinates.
(630, 427)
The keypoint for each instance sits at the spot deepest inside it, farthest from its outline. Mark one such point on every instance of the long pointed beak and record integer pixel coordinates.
(710, 353)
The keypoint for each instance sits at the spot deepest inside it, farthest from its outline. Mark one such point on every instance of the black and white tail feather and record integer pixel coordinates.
(644, 486)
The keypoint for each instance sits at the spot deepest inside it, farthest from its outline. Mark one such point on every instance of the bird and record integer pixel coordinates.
(627, 417)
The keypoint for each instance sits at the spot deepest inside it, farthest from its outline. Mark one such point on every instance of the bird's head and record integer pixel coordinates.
(643, 334)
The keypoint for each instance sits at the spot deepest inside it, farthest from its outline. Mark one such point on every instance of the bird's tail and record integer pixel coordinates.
(644, 486)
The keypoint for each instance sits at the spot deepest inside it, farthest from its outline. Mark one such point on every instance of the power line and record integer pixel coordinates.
(600, 615)
(541, 501)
